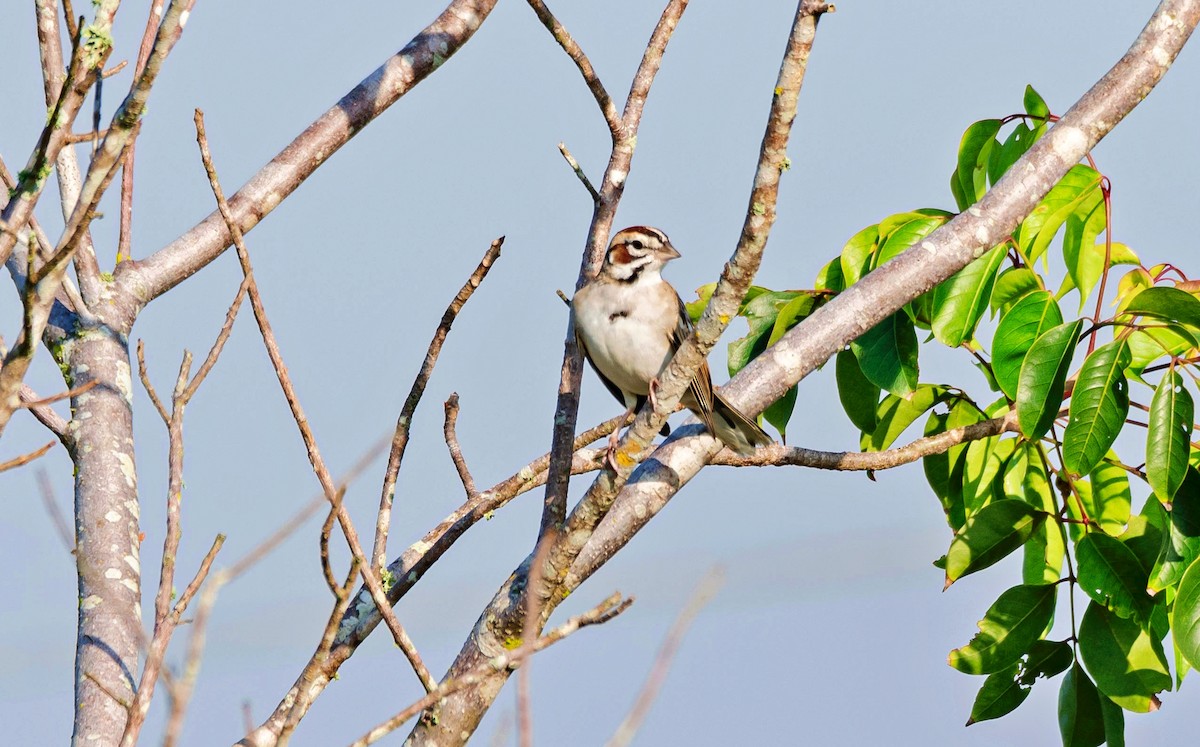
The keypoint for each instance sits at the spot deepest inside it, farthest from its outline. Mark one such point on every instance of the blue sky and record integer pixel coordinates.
(831, 626)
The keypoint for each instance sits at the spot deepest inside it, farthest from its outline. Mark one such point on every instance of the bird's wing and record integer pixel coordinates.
(701, 386)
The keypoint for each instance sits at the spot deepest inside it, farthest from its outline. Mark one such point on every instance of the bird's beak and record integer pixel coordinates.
(669, 253)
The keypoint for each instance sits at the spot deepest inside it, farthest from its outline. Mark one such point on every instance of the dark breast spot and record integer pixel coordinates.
(617, 315)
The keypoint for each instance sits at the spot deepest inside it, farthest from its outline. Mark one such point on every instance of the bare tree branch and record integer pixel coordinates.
(609, 110)
(24, 459)
(612, 186)
(456, 455)
(883, 291)
(601, 613)
(370, 578)
(404, 422)
(147, 279)
(50, 501)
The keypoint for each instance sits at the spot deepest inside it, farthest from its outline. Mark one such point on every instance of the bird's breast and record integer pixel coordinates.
(626, 333)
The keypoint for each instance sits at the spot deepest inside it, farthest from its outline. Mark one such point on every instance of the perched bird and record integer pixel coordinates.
(628, 324)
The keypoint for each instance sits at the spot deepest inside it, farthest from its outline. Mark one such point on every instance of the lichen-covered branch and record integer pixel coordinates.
(886, 289)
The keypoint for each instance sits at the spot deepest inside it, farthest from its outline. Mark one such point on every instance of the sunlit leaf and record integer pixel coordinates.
(1182, 545)
(1128, 663)
(1043, 378)
(1185, 617)
(1006, 632)
(1168, 437)
(1099, 405)
(959, 302)
(989, 535)
(1110, 573)
(974, 152)
(887, 354)
(896, 414)
(1013, 284)
(856, 254)
(1170, 304)
(1027, 320)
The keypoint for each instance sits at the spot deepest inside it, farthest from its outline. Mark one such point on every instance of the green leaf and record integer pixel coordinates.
(1013, 284)
(1166, 303)
(1127, 662)
(989, 535)
(1108, 501)
(1006, 632)
(1114, 723)
(1029, 319)
(1025, 477)
(1099, 405)
(974, 153)
(983, 460)
(1047, 659)
(1035, 105)
(829, 278)
(1150, 344)
(959, 302)
(1182, 545)
(1110, 573)
(1168, 438)
(1080, 720)
(1084, 266)
(761, 314)
(887, 354)
(944, 471)
(779, 412)
(1000, 695)
(1038, 230)
(896, 414)
(1043, 378)
(856, 254)
(1014, 146)
(858, 395)
(1185, 617)
(905, 230)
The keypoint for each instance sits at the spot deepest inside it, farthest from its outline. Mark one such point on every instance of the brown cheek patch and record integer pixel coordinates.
(620, 255)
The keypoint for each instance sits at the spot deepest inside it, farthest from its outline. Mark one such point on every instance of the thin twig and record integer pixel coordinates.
(158, 648)
(317, 661)
(125, 234)
(529, 628)
(601, 613)
(456, 455)
(370, 578)
(26, 458)
(46, 415)
(179, 695)
(145, 377)
(612, 186)
(587, 183)
(30, 404)
(50, 501)
(383, 519)
(571, 47)
(705, 591)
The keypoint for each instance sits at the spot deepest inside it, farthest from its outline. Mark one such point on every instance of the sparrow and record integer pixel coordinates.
(628, 324)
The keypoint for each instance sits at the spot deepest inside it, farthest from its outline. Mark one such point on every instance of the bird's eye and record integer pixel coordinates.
(636, 244)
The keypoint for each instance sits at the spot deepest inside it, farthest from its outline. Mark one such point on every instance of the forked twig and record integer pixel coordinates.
(370, 578)
(404, 421)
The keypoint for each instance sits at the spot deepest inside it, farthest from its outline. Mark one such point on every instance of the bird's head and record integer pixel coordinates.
(636, 251)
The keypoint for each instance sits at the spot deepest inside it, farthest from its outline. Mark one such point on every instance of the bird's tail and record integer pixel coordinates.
(738, 432)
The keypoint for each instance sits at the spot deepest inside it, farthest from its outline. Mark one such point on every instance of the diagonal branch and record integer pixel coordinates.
(615, 125)
(883, 291)
(404, 422)
(148, 279)
(370, 578)
(566, 410)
